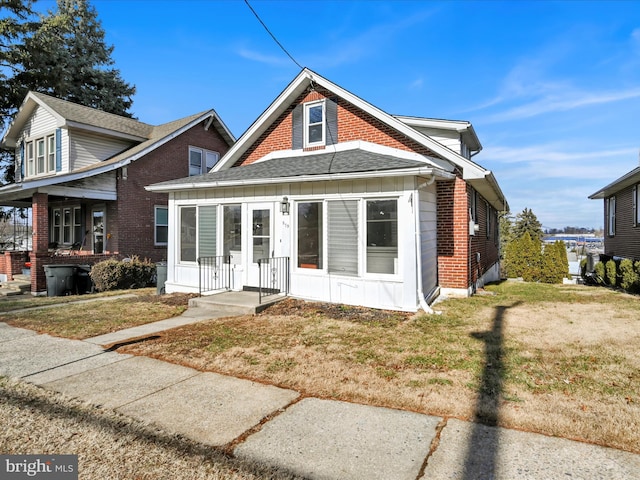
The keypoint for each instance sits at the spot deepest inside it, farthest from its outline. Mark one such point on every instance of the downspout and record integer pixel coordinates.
(418, 237)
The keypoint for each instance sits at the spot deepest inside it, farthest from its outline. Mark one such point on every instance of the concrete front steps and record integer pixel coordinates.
(20, 285)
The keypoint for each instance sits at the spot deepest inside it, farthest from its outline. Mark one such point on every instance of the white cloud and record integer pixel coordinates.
(563, 101)
(338, 47)
(274, 60)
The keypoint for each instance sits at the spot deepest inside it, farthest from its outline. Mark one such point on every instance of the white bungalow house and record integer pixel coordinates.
(350, 204)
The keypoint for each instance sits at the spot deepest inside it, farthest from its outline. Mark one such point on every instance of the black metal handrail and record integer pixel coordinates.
(273, 276)
(214, 273)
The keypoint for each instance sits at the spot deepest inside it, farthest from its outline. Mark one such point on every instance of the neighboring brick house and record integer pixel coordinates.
(364, 207)
(83, 173)
(622, 216)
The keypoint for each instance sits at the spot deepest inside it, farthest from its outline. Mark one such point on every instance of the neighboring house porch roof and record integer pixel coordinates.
(352, 163)
(621, 183)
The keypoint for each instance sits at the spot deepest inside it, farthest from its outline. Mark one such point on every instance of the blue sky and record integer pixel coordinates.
(551, 87)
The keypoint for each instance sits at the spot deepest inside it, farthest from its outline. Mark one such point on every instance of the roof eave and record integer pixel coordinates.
(619, 184)
(427, 171)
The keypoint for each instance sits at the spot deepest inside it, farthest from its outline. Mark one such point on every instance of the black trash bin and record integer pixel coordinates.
(60, 279)
(84, 284)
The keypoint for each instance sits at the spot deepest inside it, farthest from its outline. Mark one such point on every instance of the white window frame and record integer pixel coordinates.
(71, 223)
(40, 156)
(51, 153)
(208, 159)
(611, 216)
(157, 224)
(30, 158)
(635, 198)
(307, 123)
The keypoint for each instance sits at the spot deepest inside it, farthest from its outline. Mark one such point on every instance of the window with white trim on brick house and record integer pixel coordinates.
(161, 225)
(201, 160)
(315, 124)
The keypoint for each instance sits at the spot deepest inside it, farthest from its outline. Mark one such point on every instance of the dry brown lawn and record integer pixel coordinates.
(559, 360)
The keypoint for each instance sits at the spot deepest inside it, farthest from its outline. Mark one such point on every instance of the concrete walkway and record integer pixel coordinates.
(310, 437)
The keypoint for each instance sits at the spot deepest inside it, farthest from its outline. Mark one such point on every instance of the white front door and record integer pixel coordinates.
(261, 245)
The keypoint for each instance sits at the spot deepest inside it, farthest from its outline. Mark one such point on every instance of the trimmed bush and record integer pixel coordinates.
(628, 276)
(599, 271)
(611, 273)
(115, 274)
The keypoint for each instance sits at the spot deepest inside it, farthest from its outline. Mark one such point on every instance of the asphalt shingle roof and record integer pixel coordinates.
(350, 161)
(97, 118)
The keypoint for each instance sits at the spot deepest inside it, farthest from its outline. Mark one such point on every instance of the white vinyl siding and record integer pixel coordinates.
(86, 149)
(342, 248)
(428, 222)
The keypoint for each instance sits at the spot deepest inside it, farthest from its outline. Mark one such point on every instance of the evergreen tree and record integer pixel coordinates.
(526, 221)
(67, 57)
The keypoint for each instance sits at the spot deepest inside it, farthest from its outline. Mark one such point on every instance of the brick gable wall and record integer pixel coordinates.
(353, 124)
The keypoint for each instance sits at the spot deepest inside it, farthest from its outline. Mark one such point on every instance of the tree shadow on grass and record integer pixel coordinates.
(482, 448)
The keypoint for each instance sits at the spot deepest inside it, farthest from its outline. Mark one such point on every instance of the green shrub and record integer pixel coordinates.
(611, 272)
(115, 274)
(628, 276)
(599, 271)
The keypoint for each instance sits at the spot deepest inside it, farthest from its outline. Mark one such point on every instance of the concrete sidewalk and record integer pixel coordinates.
(313, 438)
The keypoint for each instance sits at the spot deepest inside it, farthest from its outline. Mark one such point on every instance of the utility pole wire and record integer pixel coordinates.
(272, 35)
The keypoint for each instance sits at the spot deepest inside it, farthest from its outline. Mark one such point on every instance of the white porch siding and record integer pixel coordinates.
(394, 290)
(428, 237)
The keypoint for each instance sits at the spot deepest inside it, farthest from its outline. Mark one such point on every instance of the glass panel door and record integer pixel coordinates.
(261, 233)
(97, 223)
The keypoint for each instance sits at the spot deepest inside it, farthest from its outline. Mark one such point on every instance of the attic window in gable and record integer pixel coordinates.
(314, 124)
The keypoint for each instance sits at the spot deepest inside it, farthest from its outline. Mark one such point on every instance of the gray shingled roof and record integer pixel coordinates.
(97, 118)
(350, 161)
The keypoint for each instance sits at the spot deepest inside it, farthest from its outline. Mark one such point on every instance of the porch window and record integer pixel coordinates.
(232, 243)
(310, 235)
(188, 231)
(66, 226)
(56, 225)
(611, 216)
(161, 216)
(207, 230)
(382, 236)
(342, 248)
(314, 119)
(201, 161)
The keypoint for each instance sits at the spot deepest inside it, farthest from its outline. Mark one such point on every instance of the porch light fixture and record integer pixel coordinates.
(284, 206)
